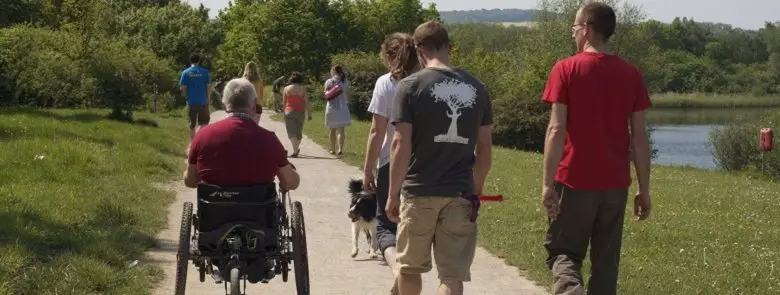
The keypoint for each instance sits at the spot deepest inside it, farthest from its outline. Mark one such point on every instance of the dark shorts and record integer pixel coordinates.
(198, 115)
(385, 229)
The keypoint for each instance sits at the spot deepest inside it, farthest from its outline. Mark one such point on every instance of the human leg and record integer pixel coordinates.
(416, 230)
(606, 241)
(192, 119)
(341, 138)
(332, 138)
(567, 239)
(278, 102)
(386, 229)
(204, 118)
(293, 123)
(454, 244)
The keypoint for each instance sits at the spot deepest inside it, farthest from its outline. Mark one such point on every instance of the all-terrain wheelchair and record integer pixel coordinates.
(243, 234)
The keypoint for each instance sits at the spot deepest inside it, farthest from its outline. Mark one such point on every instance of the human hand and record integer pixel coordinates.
(368, 181)
(392, 209)
(551, 201)
(642, 206)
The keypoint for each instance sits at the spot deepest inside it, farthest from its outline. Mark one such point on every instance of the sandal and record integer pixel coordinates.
(295, 154)
(331, 152)
(340, 153)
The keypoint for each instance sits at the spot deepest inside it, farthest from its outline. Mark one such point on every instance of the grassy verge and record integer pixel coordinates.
(703, 101)
(710, 231)
(77, 201)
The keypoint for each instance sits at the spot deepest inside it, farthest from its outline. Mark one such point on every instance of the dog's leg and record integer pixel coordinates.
(373, 243)
(355, 235)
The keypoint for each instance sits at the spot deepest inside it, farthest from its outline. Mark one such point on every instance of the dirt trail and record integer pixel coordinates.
(332, 270)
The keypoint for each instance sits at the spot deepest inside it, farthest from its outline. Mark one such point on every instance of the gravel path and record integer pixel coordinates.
(332, 270)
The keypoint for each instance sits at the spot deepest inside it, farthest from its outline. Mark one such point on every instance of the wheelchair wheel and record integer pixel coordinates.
(235, 281)
(300, 255)
(183, 253)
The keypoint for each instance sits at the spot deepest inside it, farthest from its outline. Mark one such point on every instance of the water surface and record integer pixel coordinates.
(681, 135)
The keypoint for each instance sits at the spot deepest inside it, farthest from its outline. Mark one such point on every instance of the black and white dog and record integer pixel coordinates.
(362, 213)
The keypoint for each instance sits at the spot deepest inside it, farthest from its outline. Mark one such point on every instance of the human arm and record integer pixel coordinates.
(288, 177)
(484, 150)
(555, 93)
(209, 89)
(374, 144)
(191, 178)
(307, 102)
(640, 152)
(183, 80)
(554, 141)
(380, 106)
(401, 146)
(190, 175)
(399, 166)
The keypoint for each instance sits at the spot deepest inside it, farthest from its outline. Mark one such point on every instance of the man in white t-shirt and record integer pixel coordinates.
(381, 134)
(400, 57)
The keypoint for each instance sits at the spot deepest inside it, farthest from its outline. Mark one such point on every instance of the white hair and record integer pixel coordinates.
(238, 94)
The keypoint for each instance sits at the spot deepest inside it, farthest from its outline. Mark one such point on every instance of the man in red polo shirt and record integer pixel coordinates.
(236, 151)
(596, 98)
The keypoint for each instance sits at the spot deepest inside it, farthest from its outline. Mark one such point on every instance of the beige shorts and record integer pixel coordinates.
(441, 223)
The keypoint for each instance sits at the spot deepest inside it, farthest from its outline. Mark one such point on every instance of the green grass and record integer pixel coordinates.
(710, 233)
(78, 202)
(704, 101)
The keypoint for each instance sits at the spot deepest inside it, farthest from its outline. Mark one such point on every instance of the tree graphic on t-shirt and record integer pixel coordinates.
(457, 96)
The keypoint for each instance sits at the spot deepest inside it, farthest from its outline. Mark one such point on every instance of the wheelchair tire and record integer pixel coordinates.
(235, 281)
(183, 252)
(300, 255)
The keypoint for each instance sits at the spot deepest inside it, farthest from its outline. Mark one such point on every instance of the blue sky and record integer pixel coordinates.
(753, 15)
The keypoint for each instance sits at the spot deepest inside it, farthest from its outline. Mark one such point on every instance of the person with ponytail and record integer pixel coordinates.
(252, 74)
(337, 116)
(400, 58)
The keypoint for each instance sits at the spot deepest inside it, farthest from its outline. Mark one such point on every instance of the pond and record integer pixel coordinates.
(681, 135)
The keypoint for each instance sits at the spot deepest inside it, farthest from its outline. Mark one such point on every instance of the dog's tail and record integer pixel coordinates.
(355, 186)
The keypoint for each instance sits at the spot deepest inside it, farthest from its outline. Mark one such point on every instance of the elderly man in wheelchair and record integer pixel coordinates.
(241, 229)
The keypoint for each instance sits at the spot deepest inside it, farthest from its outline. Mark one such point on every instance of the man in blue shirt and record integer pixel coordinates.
(195, 84)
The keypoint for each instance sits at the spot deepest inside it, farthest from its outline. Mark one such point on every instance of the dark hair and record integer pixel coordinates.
(194, 58)
(600, 17)
(431, 35)
(339, 72)
(399, 55)
(295, 78)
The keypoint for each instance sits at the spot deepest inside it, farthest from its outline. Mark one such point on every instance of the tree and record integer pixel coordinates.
(457, 96)
(172, 31)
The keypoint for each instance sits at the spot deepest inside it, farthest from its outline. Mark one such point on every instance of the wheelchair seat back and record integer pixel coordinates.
(221, 209)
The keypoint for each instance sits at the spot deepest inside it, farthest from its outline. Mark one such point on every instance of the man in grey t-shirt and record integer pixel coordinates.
(440, 158)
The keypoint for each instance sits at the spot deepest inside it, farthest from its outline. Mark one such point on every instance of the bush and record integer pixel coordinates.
(735, 147)
(363, 69)
(45, 68)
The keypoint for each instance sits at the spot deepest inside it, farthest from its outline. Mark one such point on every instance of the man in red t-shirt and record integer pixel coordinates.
(596, 98)
(236, 151)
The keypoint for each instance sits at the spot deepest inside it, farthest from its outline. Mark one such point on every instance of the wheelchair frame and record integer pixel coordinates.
(291, 248)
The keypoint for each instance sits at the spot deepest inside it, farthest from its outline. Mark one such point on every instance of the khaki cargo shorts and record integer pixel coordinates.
(441, 223)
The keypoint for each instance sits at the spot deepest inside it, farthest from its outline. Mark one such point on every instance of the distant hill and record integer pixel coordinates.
(488, 15)
(525, 17)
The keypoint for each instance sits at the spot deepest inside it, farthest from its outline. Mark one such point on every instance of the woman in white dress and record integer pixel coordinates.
(337, 116)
